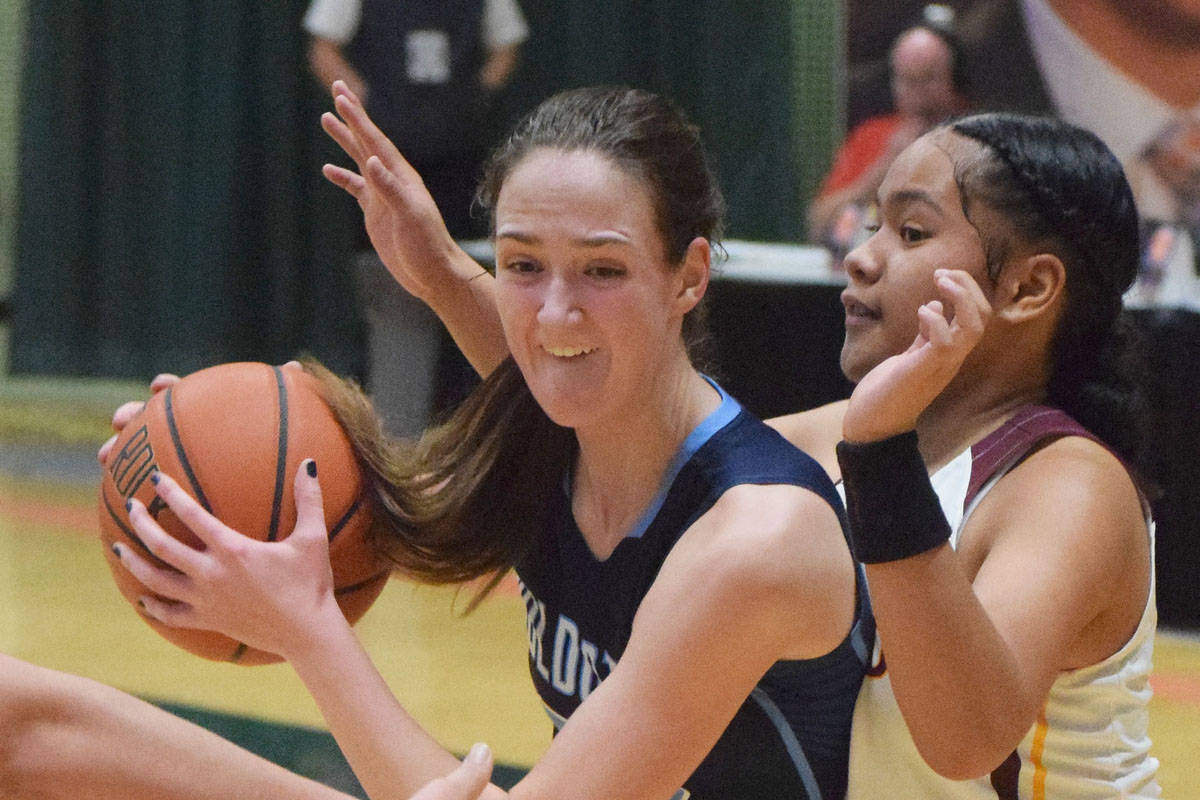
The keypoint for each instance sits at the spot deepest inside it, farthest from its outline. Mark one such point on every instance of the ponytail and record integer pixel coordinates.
(469, 499)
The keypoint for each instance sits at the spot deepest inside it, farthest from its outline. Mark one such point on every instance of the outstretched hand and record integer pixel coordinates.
(268, 595)
(890, 398)
(401, 218)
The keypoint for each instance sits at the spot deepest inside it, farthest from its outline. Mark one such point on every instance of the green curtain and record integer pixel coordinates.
(12, 23)
(172, 213)
(760, 77)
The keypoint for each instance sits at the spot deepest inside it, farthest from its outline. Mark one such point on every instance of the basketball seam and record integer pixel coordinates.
(345, 520)
(281, 456)
(181, 452)
(354, 587)
(133, 537)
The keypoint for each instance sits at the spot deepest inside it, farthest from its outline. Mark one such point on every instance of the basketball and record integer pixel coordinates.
(233, 436)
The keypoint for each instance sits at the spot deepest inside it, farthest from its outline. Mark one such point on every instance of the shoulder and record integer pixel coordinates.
(816, 432)
(1075, 481)
(773, 557)
(1067, 529)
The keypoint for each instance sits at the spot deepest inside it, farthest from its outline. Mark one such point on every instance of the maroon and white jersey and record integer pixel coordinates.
(1089, 740)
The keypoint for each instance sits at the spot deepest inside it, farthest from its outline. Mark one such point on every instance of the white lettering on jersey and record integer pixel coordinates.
(566, 655)
(577, 666)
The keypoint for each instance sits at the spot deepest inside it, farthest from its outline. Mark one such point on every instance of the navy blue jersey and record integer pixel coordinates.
(790, 739)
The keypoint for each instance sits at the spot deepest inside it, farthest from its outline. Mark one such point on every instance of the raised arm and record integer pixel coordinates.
(1053, 576)
(408, 233)
(1050, 574)
(62, 732)
(763, 575)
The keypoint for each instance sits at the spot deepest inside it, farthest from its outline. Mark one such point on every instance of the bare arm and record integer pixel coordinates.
(328, 64)
(408, 234)
(764, 575)
(1052, 575)
(498, 67)
(63, 732)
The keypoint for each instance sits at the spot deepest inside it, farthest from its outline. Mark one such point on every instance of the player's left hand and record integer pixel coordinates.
(890, 398)
(265, 594)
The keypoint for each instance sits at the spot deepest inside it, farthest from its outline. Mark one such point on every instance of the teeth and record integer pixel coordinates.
(569, 352)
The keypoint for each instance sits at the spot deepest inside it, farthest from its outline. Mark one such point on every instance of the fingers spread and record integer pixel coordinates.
(207, 528)
(372, 139)
(344, 137)
(351, 182)
(165, 547)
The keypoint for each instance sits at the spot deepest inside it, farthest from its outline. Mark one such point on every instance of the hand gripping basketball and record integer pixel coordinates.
(264, 594)
(233, 437)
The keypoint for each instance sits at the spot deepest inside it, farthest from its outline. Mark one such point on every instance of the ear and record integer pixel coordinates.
(1031, 287)
(693, 275)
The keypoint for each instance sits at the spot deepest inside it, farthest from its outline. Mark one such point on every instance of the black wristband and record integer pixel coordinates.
(890, 503)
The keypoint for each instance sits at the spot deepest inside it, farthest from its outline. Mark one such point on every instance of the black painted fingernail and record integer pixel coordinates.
(116, 548)
(154, 477)
(312, 468)
(141, 603)
(128, 505)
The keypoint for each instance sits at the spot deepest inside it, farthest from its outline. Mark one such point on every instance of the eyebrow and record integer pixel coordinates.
(907, 196)
(593, 240)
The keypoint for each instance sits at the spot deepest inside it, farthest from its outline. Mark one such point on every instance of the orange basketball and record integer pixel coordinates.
(233, 436)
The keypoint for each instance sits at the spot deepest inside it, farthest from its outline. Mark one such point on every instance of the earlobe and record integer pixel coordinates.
(1034, 287)
(694, 273)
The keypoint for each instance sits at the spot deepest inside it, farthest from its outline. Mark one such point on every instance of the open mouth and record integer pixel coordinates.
(856, 310)
(569, 351)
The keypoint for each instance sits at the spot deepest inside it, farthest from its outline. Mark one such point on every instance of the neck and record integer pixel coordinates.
(1148, 40)
(964, 414)
(621, 467)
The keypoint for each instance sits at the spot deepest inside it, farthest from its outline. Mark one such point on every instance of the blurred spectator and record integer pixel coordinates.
(428, 72)
(928, 86)
(1128, 70)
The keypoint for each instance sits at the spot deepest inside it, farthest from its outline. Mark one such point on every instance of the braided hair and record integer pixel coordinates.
(1061, 188)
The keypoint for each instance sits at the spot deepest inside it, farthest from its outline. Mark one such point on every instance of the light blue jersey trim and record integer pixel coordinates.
(714, 422)
(799, 760)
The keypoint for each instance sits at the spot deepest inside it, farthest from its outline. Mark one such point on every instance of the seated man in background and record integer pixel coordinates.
(928, 87)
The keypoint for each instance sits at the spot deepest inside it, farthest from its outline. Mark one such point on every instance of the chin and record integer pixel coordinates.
(853, 365)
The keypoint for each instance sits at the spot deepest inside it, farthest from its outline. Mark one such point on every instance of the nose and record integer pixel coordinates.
(559, 304)
(863, 264)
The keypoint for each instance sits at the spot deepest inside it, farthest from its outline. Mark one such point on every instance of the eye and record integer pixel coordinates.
(871, 228)
(911, 234)
(604, 271)
(522, 266)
